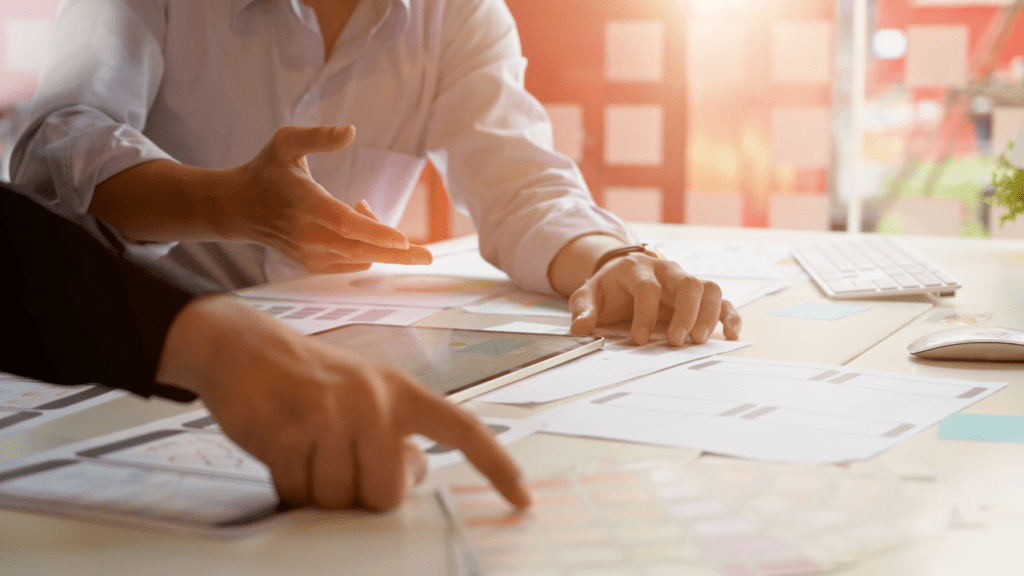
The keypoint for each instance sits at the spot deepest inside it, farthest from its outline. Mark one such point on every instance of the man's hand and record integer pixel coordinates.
(648, 290)
(640, 287)
(272, 200)
(280, 205)
(333, 427)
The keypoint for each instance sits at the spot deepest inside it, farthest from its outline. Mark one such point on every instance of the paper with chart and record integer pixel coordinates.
(738, 291)
(769, 410)
(26, 403)
(749, 260)
(453, 280)
(161, 475)
(617, 362)
(179, 472)
(308, 317)
(715, 516)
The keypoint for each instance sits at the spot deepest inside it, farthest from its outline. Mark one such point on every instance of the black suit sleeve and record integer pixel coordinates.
(77, 310)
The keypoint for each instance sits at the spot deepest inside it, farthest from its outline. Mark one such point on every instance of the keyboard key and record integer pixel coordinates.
(864, 285)
(886, 284)
(928, 279)
(840, 286)
(906, 281)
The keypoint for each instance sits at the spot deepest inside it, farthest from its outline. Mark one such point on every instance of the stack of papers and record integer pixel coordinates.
(716, 516)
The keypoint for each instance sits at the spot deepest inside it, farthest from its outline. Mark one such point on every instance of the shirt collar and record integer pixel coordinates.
(238, 5)
(396, 18)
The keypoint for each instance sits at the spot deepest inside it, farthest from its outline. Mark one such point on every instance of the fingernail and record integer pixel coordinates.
(700, 334)
(679, 336)
(643, 335)
(402, 244)
(421, 259)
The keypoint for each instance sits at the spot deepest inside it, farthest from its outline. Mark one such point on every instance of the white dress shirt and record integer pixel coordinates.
(207, 82)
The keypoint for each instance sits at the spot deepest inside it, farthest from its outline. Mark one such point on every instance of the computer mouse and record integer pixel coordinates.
(974, 343)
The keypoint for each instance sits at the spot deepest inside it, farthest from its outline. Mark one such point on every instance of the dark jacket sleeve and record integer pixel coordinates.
(76, 309)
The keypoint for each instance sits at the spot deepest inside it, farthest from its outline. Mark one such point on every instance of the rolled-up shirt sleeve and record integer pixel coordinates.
(492, 143)
(101, 75)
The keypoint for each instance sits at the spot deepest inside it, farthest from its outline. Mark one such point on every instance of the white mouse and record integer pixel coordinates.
(972, 344)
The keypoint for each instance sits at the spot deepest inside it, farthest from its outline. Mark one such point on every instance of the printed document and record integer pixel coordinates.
(770, 410)
(617, 362)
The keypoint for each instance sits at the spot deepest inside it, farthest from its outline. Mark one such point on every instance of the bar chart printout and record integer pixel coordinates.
(769, 410)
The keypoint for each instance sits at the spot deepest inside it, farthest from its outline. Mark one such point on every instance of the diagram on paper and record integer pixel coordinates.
(177, 450)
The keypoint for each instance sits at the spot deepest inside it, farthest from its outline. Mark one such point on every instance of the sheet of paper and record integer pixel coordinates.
(819, 311)
(523, 304)
(741, 260)
(713, 516)
(311, 317)
(982, 428)
(743, 292)
(453, 280)
(180, 472)
(26, 403)
(770, 410)
(617, 362)
(505, 430)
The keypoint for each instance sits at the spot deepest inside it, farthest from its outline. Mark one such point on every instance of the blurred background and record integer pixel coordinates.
(737, 112)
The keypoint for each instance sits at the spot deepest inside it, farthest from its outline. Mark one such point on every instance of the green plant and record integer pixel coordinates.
(1008, 181)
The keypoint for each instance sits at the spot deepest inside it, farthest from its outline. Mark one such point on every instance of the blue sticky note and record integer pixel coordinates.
(982, 428)
(819, 311)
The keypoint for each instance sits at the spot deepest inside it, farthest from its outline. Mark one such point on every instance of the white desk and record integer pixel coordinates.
(415, 538)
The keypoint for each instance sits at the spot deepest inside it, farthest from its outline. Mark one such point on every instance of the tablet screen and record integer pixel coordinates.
(450, 360)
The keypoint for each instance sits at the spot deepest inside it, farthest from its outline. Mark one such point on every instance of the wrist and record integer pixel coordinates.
(574, 263)
(195, 340)
(224, 191)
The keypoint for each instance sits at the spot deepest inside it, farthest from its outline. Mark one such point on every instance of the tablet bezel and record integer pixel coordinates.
(585, 345)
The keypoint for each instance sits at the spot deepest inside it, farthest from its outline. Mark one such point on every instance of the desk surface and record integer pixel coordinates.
(415, 539)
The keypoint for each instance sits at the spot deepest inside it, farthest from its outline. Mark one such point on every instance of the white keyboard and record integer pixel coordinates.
(872, 266)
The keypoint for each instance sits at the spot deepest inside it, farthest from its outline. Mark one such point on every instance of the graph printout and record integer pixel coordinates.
(311, 317)
(26, 403)
(712, 517)
(180, 473)
(770, 410)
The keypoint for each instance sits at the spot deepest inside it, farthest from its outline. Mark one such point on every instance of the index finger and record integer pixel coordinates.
(352, 224)
(428, 414)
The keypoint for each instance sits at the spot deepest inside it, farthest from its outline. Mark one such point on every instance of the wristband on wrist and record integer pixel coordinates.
(623, 251)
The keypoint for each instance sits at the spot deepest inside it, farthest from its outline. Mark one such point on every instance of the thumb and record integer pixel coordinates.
(297, 141)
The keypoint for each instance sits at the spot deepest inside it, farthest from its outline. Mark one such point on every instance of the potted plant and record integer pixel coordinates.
(1008, 181)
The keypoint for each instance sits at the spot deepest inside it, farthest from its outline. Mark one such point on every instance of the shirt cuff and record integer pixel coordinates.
(539, 247)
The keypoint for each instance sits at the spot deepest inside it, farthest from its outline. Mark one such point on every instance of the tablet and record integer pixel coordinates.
(460, 363)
